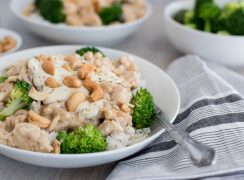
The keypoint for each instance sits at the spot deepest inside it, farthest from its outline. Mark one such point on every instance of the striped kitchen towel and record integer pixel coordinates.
(212, 112)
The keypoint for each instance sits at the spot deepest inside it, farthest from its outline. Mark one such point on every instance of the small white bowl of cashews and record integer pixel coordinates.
(10, 41)
(80, 29)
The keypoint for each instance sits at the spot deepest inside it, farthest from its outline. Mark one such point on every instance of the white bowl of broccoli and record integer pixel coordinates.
(49, 24)
(215, 31)
(90, 149)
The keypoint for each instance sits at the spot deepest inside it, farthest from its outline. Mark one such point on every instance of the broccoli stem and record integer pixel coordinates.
(11, 108)
(207, 26)
(3, 79)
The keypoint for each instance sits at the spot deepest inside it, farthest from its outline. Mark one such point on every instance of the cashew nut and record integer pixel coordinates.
(84, 71)
(42, 58)
(48, 66)
(72, 82)
(12, 78)
(51, 82)
(125, 108)
(67, 67)
(72, 58)
(54, 123)
(56, 146)
(38, 120)
(75, 100)
(36, 95)
(97, 91)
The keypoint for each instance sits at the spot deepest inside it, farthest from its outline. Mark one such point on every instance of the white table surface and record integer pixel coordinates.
(149, 42)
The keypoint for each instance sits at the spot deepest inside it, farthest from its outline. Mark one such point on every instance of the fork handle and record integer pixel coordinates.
(200, 154)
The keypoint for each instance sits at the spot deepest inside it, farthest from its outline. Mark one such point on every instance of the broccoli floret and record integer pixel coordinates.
(3, 79)
(94, 50)
(189, 19)
(235, 22)
(52, 10)
(37, 3)
(180, 16)
(231, 19)
(82, 140)
(143, 111)
(209, 17)
(18, 99)
(200, 3)
(207, 11)
(111, 14)
(229, 8)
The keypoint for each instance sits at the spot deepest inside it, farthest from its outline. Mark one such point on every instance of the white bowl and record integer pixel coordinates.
(104, 35)
(159, 84)
(227, 50)
(17, 37)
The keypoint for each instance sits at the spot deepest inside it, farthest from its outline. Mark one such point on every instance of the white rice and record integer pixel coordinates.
(128, 137)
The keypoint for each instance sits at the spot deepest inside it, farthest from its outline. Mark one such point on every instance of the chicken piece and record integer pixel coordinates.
(37, 75)
(71, 121)
(36, 106)
(107, 87)
(3, 134)
(70, 7)
(5, 89)
(124, 119)
(74, 20)
(133, 10)
(99, 4)
(84, 4)
(91, 111)
(90, 18)
(127, 63)
(108, 127)
(18, 70)
(127, 70)
(12, 70)
(23, 71)
(130, 79)
(121, 95)
(30, 137)
(20, 116)
(53, 110)
(61, 118)
(59, 94)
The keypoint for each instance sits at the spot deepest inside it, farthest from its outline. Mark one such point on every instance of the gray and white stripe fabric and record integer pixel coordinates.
(212, 112)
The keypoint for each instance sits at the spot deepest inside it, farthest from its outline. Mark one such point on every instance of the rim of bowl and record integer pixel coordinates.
(184, 4)
(149, 10)
(16, 36)
(108, 152)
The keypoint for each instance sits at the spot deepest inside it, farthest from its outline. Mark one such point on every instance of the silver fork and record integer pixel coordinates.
(200, 154)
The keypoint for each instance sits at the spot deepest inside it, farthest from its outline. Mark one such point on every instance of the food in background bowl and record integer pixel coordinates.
(225, 49)
(87, 12)
(83, 103)
(210, 17)
(7, 43)
(92, 35)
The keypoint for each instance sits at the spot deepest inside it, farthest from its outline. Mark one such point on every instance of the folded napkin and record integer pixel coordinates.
(212, 112)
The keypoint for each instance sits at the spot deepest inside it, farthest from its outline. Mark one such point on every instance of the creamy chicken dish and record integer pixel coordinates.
(83, 100)
(87, 12)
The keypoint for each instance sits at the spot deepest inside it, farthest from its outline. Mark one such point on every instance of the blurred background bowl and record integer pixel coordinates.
(17, 37)
(103, 35)
(228, 50)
